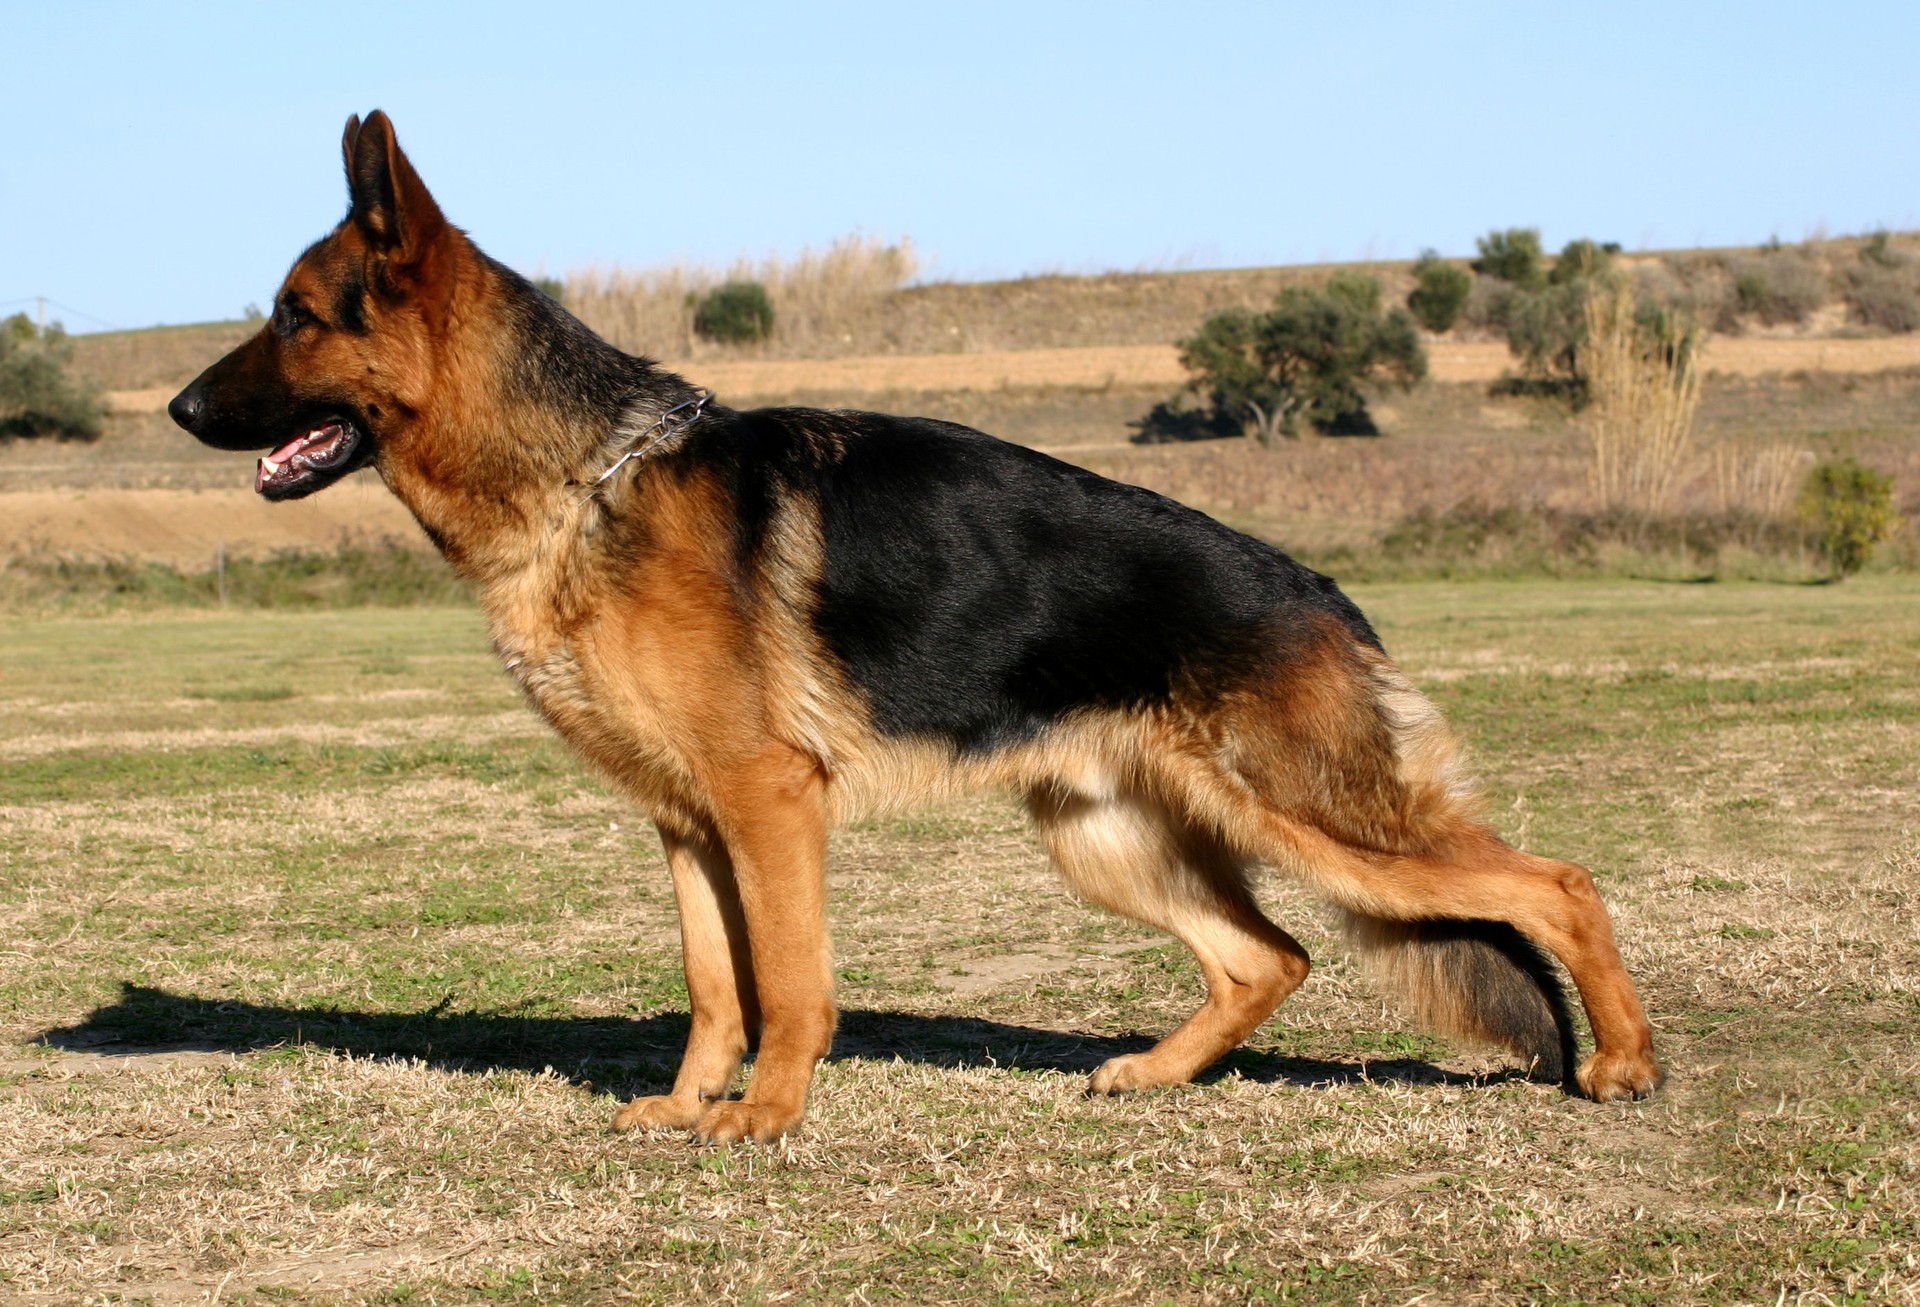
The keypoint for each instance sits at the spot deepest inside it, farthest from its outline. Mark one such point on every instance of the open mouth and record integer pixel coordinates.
(310, 460)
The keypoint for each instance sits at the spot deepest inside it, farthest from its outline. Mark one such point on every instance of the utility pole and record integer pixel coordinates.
(40, 315)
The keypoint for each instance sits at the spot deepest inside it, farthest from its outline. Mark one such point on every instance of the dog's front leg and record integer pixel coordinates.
(720, 989)
(772, 815)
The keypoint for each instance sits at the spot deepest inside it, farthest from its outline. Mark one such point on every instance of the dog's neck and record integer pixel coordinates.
(535, 408)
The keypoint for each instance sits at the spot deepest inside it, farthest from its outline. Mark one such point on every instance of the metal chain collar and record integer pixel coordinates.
(663, 427)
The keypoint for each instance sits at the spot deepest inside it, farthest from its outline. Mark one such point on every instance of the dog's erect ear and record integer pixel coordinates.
(346, 147)
(391, 205)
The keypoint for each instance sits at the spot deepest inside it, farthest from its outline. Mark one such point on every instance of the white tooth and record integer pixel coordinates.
(272, 467)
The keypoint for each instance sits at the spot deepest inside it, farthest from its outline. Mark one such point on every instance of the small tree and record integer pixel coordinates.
(1308, 356)
(1513, 255)
(38, 397)
(1582, 260)
(738, 313)
(1547, 324)
(1850, 506)
(1440, 291)
(1545, 330)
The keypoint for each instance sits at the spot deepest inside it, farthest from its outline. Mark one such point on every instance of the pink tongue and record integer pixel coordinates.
(285, 452)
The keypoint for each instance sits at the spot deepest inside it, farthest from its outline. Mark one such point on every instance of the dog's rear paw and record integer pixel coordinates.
(660, 1110)
(735, 1120)
(1618, 1077)
(1129, 1073)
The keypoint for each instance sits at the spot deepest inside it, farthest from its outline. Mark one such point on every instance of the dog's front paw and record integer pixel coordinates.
(659, 1110)
(1619, 1077)
(732, 1121)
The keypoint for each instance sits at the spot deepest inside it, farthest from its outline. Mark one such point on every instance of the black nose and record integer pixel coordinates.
(187, 406)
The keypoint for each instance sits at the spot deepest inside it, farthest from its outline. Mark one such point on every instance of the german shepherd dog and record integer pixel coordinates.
(757, 624)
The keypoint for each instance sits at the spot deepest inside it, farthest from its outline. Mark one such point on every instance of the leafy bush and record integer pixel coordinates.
(1850, 508)
(552, 287)
(1778, 286)
(38, 397)
(1306, 357)
(738, 313)
(1545, 329)
(1513, 256)
(1440, 291)
(1546, 319)
(1583, 260)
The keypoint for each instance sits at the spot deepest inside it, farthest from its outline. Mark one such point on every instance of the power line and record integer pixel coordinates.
(49, 301)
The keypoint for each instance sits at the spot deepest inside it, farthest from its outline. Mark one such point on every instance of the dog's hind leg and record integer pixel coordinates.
(1133, 856)
(1479, 878)
(720, 988)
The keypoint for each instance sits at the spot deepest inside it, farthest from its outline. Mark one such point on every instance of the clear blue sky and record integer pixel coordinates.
(165, 163)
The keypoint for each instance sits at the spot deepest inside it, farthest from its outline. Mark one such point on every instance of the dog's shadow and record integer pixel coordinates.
(628, 1056)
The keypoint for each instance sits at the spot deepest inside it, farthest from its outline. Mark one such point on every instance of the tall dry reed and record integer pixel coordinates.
(1643, 388)
(824, 301)
(1759, 479)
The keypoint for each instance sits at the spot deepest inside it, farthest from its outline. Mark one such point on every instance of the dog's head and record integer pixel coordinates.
(345, 365)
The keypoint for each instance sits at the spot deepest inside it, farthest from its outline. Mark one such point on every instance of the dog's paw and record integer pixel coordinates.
(660, 1110)
(735, 1120)
(1619, 1077)
(1130, 1073)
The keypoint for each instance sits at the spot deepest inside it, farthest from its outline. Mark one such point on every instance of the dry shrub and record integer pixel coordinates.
(1489, 306)
(1695, 285)
(1778, 285)
(1885, 297)
(1477, 539)
(1758, 480)
(821, 299)
(1643, 387)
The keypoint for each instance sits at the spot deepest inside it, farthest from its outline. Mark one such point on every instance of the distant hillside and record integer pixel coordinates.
(1822, 288)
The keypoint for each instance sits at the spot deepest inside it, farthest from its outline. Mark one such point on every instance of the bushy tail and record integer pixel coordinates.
(1476, 980)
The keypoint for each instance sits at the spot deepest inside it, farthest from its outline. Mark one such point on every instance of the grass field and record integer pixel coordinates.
(322, 969)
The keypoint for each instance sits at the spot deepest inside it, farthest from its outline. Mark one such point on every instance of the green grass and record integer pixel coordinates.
(322, 968)
(386, 573)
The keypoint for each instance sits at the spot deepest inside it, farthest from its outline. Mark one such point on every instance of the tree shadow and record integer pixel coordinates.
(636, 1055)
(1174, 422)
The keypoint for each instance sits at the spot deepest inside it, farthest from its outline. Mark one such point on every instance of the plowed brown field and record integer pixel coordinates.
(186, 528)
(1091, 367)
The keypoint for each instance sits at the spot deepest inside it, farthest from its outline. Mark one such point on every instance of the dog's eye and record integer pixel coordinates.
(289, 317)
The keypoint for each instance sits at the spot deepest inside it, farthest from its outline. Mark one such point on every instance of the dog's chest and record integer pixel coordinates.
(610, 721)
(549, 673)
(561, 678)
